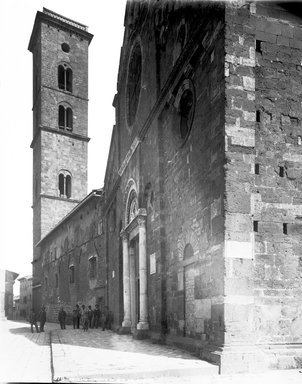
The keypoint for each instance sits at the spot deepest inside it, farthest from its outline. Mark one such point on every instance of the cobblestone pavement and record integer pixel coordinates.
(105, 357)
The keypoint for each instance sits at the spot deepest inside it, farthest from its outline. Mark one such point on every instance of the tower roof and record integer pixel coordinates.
(59, 21)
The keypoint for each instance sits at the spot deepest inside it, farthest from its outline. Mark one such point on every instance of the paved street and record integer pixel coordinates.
(105, 357)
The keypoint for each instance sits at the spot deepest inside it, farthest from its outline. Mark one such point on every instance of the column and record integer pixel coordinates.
(133, 305)
(126, 281)
(143, 315)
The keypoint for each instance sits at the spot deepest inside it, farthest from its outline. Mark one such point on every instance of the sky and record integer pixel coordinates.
(104, 19)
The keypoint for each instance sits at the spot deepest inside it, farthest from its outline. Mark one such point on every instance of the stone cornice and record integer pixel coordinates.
(69, 94)
(57, 21)
(59, 132)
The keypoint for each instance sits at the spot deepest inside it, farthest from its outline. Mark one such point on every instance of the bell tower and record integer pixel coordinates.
(60, 118)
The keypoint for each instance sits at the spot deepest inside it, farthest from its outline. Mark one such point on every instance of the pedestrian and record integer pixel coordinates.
(109, 320)
(103, 320)
(90, 316)
(42, 318)
(96, 316)
(84, 317)
(106, 314)
(33, 321)
(62, 318)
(76, 317)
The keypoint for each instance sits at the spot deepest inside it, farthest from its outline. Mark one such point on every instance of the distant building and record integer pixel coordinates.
(7, 281)
(16, 307)
(25, 303)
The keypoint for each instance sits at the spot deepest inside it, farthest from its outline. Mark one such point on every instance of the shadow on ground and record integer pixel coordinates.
(96, 338)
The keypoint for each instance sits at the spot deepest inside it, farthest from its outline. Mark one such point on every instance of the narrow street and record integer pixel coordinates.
(105, 357)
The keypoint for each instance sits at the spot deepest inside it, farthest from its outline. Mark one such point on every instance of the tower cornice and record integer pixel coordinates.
(60, 21)
(58, 132)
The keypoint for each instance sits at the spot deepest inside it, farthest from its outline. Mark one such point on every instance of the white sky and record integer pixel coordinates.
(105, 21)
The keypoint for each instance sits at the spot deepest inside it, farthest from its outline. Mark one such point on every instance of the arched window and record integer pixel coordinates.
(69, 119)
(61, 116)
(57, 280)
(65, 118)
(65, 78)
(61, 184)
(68, 186)
(71, 274)
(64, 184)
(188, 252)
(92, 267)
(69, 80)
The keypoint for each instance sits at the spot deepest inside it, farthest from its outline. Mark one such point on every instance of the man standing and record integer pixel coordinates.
(96, 316)
(76, 317)
(62, 318)
(42, 318)
(90, 315)
(33, 321)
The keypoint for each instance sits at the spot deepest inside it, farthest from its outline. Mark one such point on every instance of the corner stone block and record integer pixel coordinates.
(248, 83)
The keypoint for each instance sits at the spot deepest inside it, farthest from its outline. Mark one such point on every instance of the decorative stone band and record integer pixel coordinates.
(138, 220)
(129, 154)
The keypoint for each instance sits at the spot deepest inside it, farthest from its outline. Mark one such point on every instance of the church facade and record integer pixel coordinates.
(201, 206)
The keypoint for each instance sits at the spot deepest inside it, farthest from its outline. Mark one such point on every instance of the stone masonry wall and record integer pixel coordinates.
(278, 187)
(73, 243)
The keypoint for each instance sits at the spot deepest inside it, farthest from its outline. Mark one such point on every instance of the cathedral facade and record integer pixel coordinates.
(197, 230)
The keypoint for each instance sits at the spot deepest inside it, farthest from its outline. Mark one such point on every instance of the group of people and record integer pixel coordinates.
(91, 318)
(34, 318)
(86, 317)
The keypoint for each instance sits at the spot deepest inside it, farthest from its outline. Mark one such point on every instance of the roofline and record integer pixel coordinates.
(57, 20)
(29, 277)
(93, 193)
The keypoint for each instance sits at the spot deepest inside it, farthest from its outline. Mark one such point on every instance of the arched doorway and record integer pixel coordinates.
(134, 264)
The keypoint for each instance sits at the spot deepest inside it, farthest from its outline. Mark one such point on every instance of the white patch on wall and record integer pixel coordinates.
(239, 249)
(152, 263)
(113, 274)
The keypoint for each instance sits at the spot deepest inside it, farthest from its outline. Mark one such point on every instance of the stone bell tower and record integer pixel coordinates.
(60, 119)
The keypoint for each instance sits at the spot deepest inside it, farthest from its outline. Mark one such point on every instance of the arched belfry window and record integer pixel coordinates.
(64, 184)
(134, 83)
(65, 118)
(61, 184)
(68, 186)
(65, 78)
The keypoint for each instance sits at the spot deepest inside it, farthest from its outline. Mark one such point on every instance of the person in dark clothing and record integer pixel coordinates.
(103, 320)
(62, 318)
(42, 318)
(90, 316)
(76, 317)
(96, 316)
(33, 321)
(109, 319)
(84, 315)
